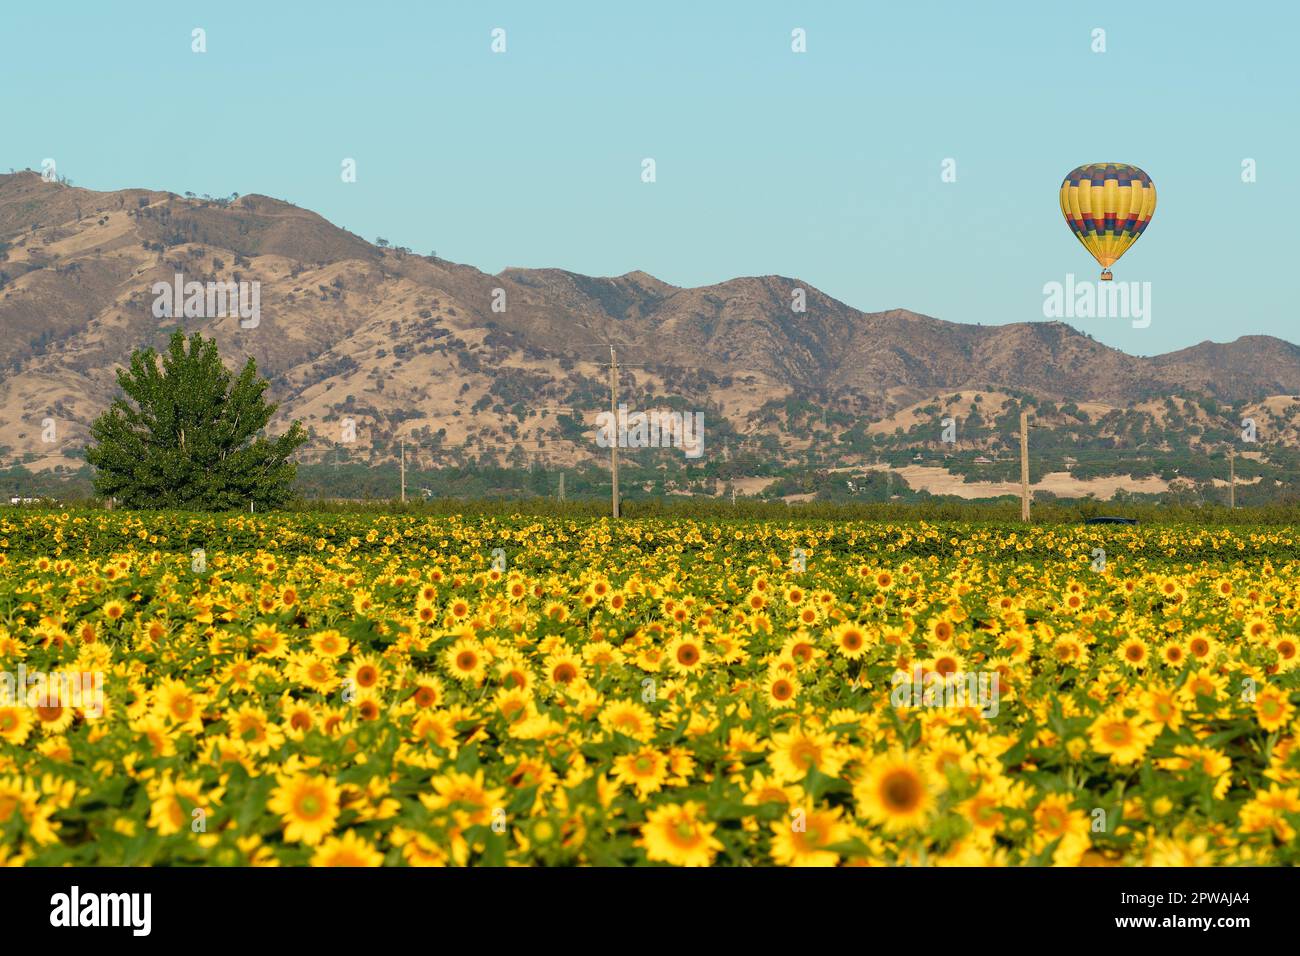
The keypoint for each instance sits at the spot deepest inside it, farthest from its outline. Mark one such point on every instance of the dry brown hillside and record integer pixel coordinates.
(411, 346)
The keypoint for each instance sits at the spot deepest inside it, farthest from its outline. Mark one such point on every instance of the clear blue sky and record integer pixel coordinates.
(824, 166)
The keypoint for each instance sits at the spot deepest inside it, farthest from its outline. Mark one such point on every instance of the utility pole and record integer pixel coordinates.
(403, 471)
(613, 410)
(561, 486)
(1024, 465)
(1232, 478)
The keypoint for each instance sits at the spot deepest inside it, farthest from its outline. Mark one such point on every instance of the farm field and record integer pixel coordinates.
(343, 689)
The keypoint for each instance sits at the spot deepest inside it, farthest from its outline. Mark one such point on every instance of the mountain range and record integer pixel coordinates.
(462, 364)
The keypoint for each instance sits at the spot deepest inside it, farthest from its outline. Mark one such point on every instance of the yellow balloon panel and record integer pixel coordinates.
(1108, 206)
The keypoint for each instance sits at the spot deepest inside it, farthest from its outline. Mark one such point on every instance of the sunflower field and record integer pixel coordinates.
(356, 690)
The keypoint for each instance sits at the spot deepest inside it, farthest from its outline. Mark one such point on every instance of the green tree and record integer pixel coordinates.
(189, 436)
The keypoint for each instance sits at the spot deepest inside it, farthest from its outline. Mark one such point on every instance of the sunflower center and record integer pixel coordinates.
(683, 834)
(1118, 734)
(901, 790)
(310, 806)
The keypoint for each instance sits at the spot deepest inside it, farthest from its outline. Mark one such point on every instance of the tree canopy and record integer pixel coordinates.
(186, 434)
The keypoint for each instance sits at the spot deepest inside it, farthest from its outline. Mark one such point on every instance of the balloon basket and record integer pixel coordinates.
(1106, 276)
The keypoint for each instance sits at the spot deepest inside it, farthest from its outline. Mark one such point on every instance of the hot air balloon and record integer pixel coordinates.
(1108, 205)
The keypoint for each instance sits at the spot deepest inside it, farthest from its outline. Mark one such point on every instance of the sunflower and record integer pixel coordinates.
(1268, 810)
(686, 655)
(151, 632)
(1069, 650)
(1203, 683)
(940, 630)
(157, 732)
(349, 850)
(1179, 851)
(894, 792)
(646, 769)
(780, 690)
(418, 849)
(850, 640)
(1273, 708)
(1257, 628)
(267, 641)
(466, 660)
(1201, 645)
(1056, 822)
(1173, 654)
(317, 674)
(469, 799)
(1133, 652)
(172, 803)
(1160, 706)
(946, 663)
(808, 615)
(803, 837)
(800, 648)
(1072, 602)
(514, 704)
(983, 810)
(679, 835)
(628, 718)
(15, 722)
(239, 674)
(650, 659)
(308, 807)
(1287, 647)
(429, 691)
(564, 669)
(252, 726)
(330, 643)
(53, 716)
(20, 796)
(458, 608)
(177, 702)
(1124, 739)
(297, 718)
(436, 729)
(514, 672)
(799, 751)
